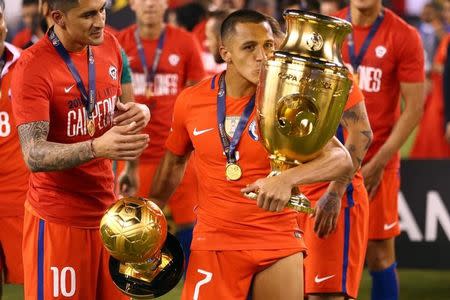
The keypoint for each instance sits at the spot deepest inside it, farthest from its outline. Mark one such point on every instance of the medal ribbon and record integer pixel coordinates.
(230, 147)
(88, 99)
(150, 76)
(356, 60)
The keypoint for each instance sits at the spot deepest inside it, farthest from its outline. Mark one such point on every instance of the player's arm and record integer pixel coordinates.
(413, 95)
(41, 155)
(274, 192)
(356, 122)
(167, 177)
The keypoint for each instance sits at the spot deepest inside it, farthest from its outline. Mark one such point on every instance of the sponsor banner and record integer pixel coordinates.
(424, 206)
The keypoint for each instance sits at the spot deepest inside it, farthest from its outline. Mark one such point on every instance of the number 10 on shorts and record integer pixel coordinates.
(59, 281)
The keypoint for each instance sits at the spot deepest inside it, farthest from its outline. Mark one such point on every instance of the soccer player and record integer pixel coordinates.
(65, 93)
(236, 240)
(386, 55)
(29, 12)
(13, 172)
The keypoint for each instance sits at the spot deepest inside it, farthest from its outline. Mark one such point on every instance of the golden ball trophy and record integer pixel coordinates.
(146, 261)
(302, 93)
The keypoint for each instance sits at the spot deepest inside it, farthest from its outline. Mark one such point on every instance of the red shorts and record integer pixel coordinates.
(63, 262)
(335, 264)
(183, 200)
(227, 275)
(11, 249)
(383, 220)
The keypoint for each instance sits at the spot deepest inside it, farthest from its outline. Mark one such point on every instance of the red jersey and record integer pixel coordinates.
(43, 89)
(394, 55)
(13, 173)
(22, 38)
(226, 220)
(179, 62)
(316, 190)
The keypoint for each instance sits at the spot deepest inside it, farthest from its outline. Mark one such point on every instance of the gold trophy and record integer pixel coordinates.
(146, 261)
(302, 93)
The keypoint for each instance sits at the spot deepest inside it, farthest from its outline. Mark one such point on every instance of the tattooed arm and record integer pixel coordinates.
(41, 155)
(359, 138)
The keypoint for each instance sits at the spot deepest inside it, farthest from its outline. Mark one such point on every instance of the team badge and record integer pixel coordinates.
(253, 131)
(174, 59)
(113, 72)
(380, 51)
(231, 124)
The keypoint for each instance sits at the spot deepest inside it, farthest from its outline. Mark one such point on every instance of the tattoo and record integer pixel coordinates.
(41, 155)
(352, 115)
(331, 203)
(368, 134)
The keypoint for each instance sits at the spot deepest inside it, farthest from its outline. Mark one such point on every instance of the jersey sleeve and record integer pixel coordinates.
(195, 70)
(126, 72)
(179, 141)
(410, 55)
(355, 96)
(31, 91)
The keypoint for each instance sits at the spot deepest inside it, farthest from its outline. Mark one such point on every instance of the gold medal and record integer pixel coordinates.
(233, 172)
(91, 127)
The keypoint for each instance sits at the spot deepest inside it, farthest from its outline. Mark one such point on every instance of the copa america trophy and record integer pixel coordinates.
(302, 93)
(146, 261)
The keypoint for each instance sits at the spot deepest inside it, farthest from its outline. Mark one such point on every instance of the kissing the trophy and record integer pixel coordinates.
(302, 93)
(146, 261)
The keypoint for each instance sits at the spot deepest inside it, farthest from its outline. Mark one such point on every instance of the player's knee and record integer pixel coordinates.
(380, 256)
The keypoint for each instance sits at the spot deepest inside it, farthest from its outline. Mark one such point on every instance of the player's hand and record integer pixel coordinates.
(132, 112)
(273, 192)
(327, 212)
(447, 132)
(372, 173)
(128, 182)
(120, 143)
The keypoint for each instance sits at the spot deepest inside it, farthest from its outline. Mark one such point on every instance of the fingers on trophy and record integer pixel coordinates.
(146, 261)
(302, 93)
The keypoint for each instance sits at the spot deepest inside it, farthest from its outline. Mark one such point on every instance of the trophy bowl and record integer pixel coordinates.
(146, 261)
(302, 93)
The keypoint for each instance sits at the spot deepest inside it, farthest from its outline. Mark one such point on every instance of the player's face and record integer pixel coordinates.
(28, 12)
(365, 4)
(446, 11)
(247, 48)
(149, 12)
(328, 8)
(3, 29)
(212, 39)
(86, 22)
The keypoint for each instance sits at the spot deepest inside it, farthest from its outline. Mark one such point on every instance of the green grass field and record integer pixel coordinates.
(414, 285)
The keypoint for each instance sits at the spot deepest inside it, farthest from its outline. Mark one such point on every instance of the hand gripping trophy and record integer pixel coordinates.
(302, 93)
(146, 261)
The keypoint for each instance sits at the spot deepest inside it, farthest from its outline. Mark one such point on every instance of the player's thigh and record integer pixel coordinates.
(224, 275)
(282, 280)
(60, 262)
(11, 243)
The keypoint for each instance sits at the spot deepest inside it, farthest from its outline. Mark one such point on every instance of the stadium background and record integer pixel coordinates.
(423, 249)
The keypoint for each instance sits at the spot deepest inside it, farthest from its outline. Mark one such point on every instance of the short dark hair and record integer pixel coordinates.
(240, 16)
(63, 5)
(30, 2)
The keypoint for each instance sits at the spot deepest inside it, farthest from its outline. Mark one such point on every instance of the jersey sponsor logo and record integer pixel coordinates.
(113, 72)
(199, 132)
(102, 115)
(253, 130)
(389, 226)
(174, 59)
(318, 279)
(380, 51)
(231, 123)
(164, 84)
(67, 89)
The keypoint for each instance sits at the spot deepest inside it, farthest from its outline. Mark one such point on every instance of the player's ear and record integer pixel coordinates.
(225, 54)
(58, 18)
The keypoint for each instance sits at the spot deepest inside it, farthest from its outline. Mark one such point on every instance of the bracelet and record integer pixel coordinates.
(92, 149)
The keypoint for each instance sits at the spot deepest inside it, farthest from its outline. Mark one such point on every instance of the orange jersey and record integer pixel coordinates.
(226, 220)
(394, 55)
(180, 61)
(43, 89)
(316, 190)
(13, 172)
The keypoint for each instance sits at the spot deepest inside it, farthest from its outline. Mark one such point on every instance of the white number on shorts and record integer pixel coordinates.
(59, 282)
(201, 282)
(5, 127)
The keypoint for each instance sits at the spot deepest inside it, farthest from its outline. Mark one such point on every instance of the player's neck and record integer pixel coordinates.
(2, 48)
(66, 40)
(150, 31)
(237, 86)
(365, 17)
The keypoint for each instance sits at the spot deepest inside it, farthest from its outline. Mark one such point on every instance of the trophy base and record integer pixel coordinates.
(156, 281)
